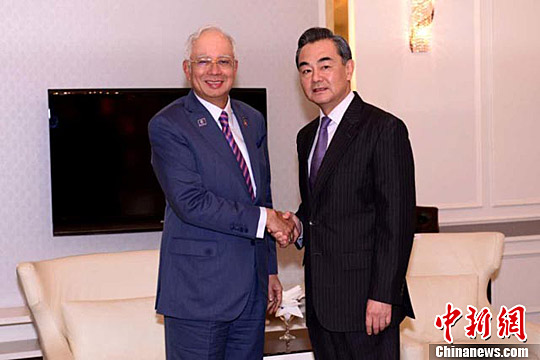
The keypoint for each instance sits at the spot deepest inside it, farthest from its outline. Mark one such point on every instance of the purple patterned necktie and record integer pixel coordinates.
(224, 120)
(320, 150)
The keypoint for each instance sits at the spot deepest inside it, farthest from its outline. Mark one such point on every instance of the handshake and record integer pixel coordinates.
(284, 227)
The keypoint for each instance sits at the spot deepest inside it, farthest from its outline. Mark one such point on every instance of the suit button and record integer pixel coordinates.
(312, 223)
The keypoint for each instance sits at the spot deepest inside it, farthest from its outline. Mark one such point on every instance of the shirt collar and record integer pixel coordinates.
(337, 113)
(214, 110)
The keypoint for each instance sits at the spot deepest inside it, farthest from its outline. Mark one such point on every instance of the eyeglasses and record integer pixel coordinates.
(223, 62)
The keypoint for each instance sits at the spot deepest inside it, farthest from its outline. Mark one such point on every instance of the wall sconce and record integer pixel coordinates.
(422, 12)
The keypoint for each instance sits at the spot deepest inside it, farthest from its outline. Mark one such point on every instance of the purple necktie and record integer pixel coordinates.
(224, 120)
(320, 150)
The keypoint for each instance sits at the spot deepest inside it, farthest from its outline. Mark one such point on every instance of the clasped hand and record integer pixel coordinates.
(284, 227)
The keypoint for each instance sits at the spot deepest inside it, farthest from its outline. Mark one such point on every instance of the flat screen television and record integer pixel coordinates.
(101, 177)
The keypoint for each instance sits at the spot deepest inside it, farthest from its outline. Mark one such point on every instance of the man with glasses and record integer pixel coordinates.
(218, 268)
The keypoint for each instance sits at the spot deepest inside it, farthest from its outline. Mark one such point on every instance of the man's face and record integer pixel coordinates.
(324, 77)
(211, 69)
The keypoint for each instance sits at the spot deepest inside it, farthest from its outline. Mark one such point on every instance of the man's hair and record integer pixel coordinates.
(316, 34)
(197, 34)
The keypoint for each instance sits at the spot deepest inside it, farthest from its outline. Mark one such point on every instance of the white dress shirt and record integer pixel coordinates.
(215, 111)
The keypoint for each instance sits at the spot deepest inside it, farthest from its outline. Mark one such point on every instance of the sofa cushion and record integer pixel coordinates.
(429, 295)
(114, 329)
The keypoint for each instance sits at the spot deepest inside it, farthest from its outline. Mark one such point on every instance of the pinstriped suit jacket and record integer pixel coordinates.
(358, 219)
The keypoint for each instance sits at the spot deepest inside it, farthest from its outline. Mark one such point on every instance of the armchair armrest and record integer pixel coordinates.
(533, 337)
(533, 332)
(411, 349)
(53, 344)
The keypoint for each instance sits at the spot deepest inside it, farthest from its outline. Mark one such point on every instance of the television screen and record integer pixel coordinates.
(101, 177)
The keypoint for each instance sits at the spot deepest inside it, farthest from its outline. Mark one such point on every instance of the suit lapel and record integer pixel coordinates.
(305, 149)
(347, 130)
(210, 131)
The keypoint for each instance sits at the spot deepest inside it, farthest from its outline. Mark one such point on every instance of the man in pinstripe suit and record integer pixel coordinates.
(358, 199)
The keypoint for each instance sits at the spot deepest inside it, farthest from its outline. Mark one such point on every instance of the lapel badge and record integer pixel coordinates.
(244, 121)
(201, 122)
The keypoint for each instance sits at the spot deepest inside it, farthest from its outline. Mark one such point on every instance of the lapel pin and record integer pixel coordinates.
(201, 122)
(244, 121)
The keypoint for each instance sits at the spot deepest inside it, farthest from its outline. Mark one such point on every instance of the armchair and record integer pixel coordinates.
(452, 268)
(98, 306)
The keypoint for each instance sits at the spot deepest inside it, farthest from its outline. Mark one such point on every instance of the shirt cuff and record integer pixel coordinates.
(262, 223)
(300, 240)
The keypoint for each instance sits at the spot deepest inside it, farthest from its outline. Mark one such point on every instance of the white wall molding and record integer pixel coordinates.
(478, 201)
(532, 310)
(520, 261)
(522, 239)
(487, 94)
(478, 119)
(516, 202)
(521, 246)
(457, 206)
(521, 254)
(499, 60)
(489, 220)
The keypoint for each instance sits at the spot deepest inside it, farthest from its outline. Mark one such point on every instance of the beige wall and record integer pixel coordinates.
(471, 104)
(84, 44)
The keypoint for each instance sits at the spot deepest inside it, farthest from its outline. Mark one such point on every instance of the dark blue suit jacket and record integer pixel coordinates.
(209, 253)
